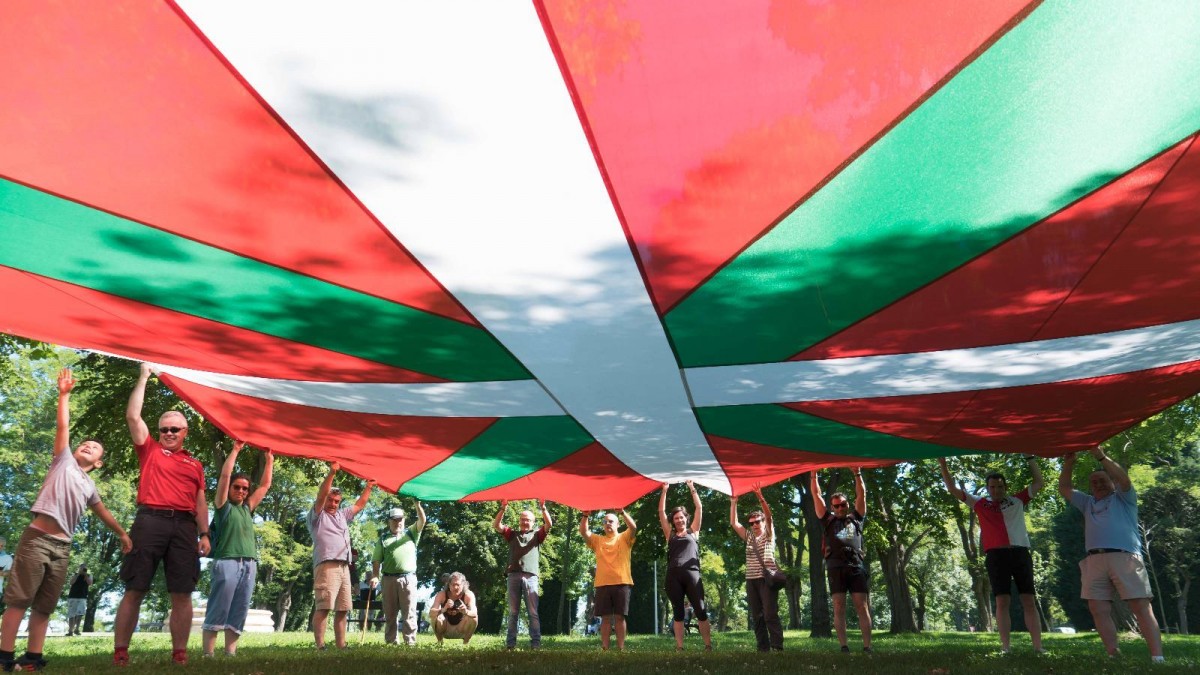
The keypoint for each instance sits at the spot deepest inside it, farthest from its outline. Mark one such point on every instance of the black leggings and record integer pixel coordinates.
(686, 582)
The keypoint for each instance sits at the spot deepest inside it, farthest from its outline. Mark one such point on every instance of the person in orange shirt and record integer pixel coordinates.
(614, 580)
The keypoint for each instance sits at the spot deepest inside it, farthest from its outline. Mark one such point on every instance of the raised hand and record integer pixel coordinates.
(237, 446)
(66, 381)
(335, 467)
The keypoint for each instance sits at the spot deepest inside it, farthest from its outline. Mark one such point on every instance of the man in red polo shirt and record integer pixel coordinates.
(172, 515)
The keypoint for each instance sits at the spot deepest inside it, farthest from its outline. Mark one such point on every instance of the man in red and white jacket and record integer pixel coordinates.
(1005, 542)
(171, 525)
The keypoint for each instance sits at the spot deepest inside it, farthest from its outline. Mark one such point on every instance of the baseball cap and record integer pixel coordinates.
(396, 514)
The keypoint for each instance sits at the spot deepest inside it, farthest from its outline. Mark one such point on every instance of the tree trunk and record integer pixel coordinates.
(891, 560)
(564, 623)
(921, 608)
(980, 586)
(1124, 619)
(822, 620)
(1181, 598)
(282, 604)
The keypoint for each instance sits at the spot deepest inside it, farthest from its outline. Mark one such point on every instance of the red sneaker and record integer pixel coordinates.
(121, 656)
(179, 656)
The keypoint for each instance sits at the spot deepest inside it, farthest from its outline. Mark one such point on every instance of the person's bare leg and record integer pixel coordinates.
(606, 626)
(1004, 621)
(339, 628)
(439, 628)
(839, 617)
(1032, 621)
(181, 619)
(469, 624)
(38, 623)
(127, 616)
(862, 605)
(677, 627)
(1148, 625)
(12, 622)
(320, 617)
(705, 632)
(620, 619)
(231, 638)
(1102, 616)
(208, 642)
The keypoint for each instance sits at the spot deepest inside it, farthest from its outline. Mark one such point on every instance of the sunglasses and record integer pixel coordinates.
(240, 488)
(171, 430)
(755, 521)
(841, 505)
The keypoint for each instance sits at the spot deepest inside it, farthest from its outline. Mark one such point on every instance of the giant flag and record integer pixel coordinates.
(576, 248)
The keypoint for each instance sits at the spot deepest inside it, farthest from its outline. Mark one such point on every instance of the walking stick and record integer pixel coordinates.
(366, 617)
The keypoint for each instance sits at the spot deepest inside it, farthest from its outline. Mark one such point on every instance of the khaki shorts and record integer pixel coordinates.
(39, 572)
(331, 586)
(1103, 573)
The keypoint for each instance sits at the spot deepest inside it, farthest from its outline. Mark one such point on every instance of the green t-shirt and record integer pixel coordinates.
(235, 532)
(397, 553)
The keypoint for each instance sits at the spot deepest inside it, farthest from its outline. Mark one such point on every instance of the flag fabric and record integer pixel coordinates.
(575, 249)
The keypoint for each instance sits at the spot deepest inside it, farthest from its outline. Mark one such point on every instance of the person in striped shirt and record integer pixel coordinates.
(1005, 542)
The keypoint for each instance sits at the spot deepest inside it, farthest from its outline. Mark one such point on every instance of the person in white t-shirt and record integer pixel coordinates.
(40, 567)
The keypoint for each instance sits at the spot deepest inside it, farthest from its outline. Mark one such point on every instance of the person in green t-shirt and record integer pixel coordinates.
(395, 561)
(234, 553)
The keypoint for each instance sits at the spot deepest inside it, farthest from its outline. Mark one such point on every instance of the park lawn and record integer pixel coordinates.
(932, 653)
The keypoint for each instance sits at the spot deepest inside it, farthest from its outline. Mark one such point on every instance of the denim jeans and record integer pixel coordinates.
(524, 585)
(229, 597)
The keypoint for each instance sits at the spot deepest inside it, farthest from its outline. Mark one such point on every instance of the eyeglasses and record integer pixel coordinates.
(841, 505)
(240, 488)
(171, 430)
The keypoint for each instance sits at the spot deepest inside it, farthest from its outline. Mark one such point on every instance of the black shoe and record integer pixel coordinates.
(845, 649)
(868, 650)
(6, 665)
(25, 663)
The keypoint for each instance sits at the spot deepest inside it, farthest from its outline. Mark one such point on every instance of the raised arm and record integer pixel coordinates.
(264, 483)
(222, 495)
(420, 524)
(138, 431)
(323, 491)
(498, 521)
(62, 433)
(948, 480)
(205, 544)
(1064, 479)
(629, 522)
(814, 486)
(1115, 471)
(1035, 470)
(697, 507)
(583, 524)
(111, 523)
(547, 521)
(860, 492)
(768, 526)
(733, 517)
(662, 511)
(363, 498)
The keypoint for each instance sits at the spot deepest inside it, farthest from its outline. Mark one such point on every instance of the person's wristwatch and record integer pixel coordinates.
(202, 534)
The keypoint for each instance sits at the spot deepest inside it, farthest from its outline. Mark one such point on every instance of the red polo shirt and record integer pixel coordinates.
(170, 480)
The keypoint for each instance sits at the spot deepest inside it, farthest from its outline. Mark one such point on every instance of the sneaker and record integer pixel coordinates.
(868, 650)
(27, 664)
(845, 649)
(121, 657)
(179, 656)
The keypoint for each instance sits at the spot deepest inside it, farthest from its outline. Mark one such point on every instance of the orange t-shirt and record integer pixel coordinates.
(612, 557)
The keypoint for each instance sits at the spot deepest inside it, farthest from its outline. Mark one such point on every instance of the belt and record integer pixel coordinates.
(165, 513)
(1098, 551)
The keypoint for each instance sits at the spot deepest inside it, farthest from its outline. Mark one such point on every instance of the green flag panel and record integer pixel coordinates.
(60, 239)
(782, 427)
(509, 449)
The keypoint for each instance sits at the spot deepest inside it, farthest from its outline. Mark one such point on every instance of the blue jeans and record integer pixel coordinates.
(229, 597)
(524, 585)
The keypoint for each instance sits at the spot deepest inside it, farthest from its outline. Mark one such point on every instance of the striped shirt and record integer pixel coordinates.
(754, 546)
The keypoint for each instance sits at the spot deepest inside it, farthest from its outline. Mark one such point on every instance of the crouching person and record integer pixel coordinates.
(453, 612)
(235, 552)
(39, 569)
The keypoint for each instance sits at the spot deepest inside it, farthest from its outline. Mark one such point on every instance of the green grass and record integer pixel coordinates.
(933, 653)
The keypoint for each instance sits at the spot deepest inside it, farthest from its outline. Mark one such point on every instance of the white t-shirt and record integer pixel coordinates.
(66, 492)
